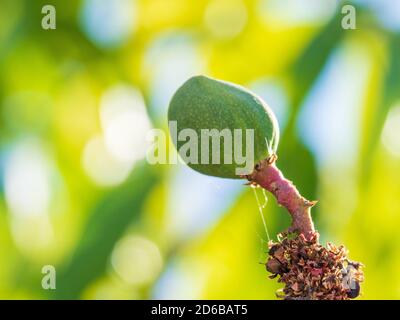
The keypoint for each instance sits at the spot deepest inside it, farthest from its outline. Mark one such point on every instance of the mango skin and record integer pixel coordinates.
(206, 103)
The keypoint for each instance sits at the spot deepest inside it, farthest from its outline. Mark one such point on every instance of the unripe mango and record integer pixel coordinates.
(205, 103)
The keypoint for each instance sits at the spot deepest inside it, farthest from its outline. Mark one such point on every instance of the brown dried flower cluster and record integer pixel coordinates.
(310, 271)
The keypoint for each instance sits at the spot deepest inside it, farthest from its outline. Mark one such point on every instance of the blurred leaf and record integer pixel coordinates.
(391, 93)
(110, 218)
(298, 165)
(310, 63)
(229, 261)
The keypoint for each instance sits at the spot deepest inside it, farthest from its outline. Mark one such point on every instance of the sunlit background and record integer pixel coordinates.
(76, 104)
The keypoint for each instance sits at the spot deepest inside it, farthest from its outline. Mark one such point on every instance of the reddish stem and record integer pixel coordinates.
(268, 176)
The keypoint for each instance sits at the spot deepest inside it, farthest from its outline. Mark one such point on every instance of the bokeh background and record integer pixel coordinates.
(77, 102)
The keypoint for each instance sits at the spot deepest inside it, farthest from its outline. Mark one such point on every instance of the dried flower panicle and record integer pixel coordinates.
(311, 271)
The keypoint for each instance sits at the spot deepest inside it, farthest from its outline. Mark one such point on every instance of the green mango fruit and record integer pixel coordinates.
(203, 103)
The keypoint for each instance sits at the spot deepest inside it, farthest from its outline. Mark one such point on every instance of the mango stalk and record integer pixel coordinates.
(269, 177)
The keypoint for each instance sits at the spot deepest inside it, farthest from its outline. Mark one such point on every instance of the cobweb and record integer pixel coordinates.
(261, 207)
